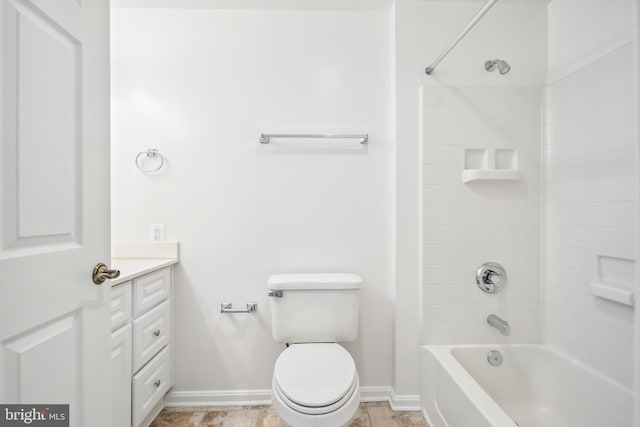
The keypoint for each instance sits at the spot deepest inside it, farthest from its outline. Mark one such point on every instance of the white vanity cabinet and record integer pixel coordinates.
(121, 361)
(141, 356)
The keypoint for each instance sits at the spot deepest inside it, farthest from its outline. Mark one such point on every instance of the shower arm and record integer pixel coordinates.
(464, 32)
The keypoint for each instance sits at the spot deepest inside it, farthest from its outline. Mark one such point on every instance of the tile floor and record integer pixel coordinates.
(377, 414)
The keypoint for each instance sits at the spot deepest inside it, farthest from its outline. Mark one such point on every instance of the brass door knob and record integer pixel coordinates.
(102, 273)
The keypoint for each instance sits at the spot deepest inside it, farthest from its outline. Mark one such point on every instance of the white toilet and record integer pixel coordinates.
(315, 381)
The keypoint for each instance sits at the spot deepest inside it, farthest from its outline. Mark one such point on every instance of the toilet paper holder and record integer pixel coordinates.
(227, 307)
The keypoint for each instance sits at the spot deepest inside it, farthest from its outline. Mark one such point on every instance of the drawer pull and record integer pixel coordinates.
(156, 332)
(157, 383)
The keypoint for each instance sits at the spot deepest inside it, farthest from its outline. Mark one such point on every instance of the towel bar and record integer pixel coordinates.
(265, 138)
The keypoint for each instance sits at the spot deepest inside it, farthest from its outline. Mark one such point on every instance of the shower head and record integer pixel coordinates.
(502, 66)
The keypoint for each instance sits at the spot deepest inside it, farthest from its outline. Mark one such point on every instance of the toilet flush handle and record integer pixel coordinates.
(277, 294)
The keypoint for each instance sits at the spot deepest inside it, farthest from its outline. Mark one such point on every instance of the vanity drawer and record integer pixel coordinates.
(120, 305)
(150, 289)
(150, 384)
(151, 332)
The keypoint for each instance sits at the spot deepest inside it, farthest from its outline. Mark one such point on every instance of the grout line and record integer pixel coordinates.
(368, 416)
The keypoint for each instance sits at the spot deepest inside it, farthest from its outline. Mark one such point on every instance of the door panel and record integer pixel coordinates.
(30, 357)
(42, 86)
(48, 128)
(54, 218)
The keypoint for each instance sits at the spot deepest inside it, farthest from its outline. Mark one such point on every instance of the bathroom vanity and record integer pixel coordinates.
(141, 336)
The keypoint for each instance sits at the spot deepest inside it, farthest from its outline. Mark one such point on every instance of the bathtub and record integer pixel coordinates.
(535, 386)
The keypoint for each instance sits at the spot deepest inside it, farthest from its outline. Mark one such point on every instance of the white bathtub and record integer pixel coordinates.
(536, 386)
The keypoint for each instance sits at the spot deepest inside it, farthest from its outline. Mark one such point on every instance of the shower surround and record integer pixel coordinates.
(466, 225)
(570, 220)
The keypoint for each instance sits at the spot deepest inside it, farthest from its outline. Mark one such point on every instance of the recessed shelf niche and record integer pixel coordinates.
(490, 164)
(615, 278)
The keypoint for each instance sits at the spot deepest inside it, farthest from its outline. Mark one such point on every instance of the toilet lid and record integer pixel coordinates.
(315, 374)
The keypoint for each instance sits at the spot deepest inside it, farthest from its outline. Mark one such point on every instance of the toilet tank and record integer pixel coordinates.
(315, 307)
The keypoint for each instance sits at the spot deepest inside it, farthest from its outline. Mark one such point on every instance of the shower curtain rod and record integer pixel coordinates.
(464, 32)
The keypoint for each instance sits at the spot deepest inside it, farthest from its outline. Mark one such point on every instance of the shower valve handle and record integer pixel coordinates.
(491, 277)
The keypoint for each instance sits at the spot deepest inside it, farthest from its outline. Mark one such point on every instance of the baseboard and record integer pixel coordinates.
(263, 397)
(404, 402)
(218, 398)
(374, 394)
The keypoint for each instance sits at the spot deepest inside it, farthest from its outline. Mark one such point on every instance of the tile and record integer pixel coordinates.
(169, 418)
(431, 194)
(451, 175)
(451, 95)
(452, 194)
(360, 418)
(431, 155)
(472, 134)
(432, 234)
(383, 416)
(432, 215)
(432, 134)
(431, 115)
(440, 254)
(452, 314)
(452, 156)
(447, 274)
(432, 175)
(451, 134)
(268, 418)
(237, 418)
(451, 214)
(451, 114)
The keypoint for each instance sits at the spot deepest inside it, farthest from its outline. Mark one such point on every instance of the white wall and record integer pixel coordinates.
(201, 85)
(590, 189)
(243, 211)
(582, 31)
(458, 220)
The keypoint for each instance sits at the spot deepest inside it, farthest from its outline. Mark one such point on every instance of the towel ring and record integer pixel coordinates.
(152, 153)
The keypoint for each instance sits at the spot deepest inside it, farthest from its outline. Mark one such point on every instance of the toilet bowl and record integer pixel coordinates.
(315, 382)
(315, 385)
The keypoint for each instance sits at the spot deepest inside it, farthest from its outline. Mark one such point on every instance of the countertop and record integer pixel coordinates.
(130, 268)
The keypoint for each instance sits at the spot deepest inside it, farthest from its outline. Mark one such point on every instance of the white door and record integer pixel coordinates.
(54, 191)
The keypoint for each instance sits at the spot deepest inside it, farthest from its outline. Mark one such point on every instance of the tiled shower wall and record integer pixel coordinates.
(589, 209)
(465, 225)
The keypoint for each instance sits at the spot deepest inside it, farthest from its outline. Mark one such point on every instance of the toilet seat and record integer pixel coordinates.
(315, 378)
(319, 410)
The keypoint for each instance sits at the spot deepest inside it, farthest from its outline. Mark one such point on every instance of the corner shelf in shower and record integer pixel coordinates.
(469, 175)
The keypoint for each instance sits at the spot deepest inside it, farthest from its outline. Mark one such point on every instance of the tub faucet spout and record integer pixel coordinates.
(499, 324)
